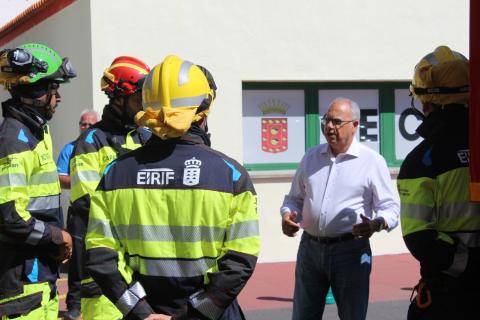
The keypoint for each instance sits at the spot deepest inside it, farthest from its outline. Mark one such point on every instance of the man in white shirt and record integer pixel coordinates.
(335, 192)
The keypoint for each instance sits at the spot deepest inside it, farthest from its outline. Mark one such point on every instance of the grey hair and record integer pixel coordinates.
(84, 112)
(354, 108)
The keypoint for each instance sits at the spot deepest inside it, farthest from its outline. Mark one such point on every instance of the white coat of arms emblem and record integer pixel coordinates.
(191, 174)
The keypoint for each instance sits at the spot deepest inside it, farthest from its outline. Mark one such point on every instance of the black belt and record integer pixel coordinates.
(330, 240)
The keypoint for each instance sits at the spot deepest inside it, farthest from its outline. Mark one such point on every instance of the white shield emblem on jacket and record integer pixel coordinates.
(191, 174)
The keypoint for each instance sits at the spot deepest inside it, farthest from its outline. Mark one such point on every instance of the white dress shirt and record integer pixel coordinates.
(329, 193)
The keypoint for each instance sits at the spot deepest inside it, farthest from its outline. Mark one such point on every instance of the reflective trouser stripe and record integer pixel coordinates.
(130, 298)
(36, 235)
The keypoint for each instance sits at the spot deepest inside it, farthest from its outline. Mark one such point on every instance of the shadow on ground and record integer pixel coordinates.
(275, 299)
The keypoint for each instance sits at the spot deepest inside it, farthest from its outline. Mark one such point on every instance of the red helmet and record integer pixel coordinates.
(124, 76)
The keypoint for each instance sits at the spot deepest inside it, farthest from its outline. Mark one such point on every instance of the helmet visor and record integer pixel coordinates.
(64, 72)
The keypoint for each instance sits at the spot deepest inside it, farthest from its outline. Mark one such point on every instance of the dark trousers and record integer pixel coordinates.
(73, 295)
(233, 312)
(76, 226)
(444, 297)
(345, 266)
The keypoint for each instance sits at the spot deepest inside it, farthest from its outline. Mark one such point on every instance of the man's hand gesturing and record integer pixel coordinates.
(289, 226)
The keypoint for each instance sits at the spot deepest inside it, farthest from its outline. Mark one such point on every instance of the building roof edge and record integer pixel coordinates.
(30, 17)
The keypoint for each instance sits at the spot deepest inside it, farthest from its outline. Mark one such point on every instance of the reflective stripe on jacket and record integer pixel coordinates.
(30, 212)
(178, 221)
(438, 221)
(94, 150)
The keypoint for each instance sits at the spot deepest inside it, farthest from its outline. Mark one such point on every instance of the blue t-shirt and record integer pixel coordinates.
(63, 161)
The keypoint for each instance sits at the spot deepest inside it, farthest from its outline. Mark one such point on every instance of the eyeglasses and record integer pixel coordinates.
(85, 124)
(336, 122)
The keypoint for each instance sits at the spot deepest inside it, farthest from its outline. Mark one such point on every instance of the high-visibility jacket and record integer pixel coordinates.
(440, 225)
(173, 226)
(30, 214)
(93, 151)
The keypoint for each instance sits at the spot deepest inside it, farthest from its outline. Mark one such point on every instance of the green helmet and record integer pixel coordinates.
(32, 62)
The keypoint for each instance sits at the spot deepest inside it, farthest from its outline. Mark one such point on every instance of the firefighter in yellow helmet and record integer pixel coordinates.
(115, 135)
(173, 226)
(441, 228)
(32, 242)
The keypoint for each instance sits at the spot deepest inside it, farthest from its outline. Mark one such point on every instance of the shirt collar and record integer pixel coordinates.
(353, 150)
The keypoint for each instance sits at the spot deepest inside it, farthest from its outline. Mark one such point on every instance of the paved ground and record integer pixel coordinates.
(385, 310)
(268, 295)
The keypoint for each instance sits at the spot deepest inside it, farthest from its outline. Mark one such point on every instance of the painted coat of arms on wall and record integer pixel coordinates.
(274, 129)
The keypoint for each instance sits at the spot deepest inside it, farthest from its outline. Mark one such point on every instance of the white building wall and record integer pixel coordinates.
(271, 40)
(251, 40)
(68, 33)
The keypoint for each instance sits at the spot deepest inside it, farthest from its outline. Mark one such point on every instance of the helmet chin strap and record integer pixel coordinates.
(43, 107)
(33, 102)
(416, 111)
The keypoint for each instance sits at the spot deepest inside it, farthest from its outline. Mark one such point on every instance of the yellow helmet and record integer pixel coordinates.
(175, 94)
(441, 77)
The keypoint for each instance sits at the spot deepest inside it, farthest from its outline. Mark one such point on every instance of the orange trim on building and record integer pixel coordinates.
(30, 17)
